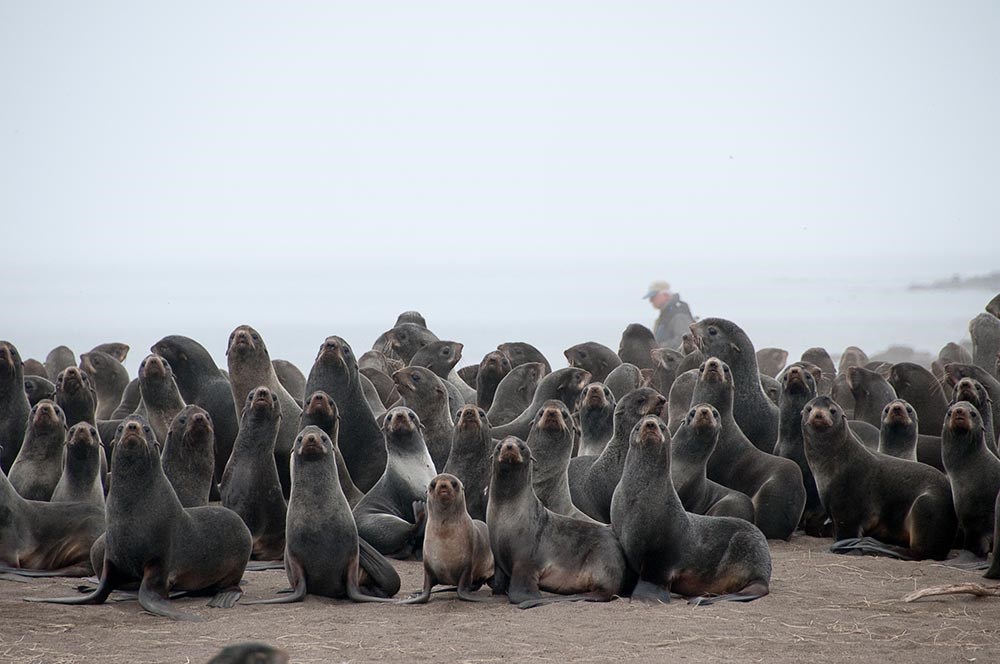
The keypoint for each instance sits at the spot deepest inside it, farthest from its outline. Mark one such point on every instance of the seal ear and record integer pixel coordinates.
(734, 347)
(159, 448)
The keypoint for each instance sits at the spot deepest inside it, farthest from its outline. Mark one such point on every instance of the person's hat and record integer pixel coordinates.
(656, 287)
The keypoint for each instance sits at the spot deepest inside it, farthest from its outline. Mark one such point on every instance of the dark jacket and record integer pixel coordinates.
(673, 322)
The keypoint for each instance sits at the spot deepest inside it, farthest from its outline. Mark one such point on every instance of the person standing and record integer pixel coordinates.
(675, 316)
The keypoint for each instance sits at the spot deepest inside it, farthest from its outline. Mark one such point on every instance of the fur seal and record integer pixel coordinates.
(955, 353)
(58, 359)
(249, 367)
(405, 339)
(202, 384)
(551, 439)
(515, 392)
(596, 409)
(756, 415)
(851, 357)
(39, 462)
(77, 397)
(80, 481)
(770, 361)
(772, 388)
(985, 332)
(470, 457)
(323, 554)
(774, 484)
(563, 385)
(151, 538)
(438, 356)
(971, 390)
(469, 371)
(335, 372)
(637, 345)
(411, 316)
(898, 434)
(690, 450)
(666, 363)
(536, 549)
(250, 653)
(974, 474)
(456, 547)
(955, 372)
(37, 388)
(188, 457)
(623, 379)
(593, 357)
(679, 399)
(250, 485)
(383, 385)
(799, 388)
(390, 517)
(33, 367)
(161, 400)
(922, 390)
(520, 352)
(291, 378)
(493, 368)
(871, 394)
(841, 393)
(130, 401)
(115, 349)
(319, 410)
(907, 506)
(707, 558)
(993, 306)
(592, 480)
(425, 393)
(109, 377)
(821, 358)
(376, 359)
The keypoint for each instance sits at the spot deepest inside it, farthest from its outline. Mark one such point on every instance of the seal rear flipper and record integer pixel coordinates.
(380, 571)
(580, 597)
(869, 546)
(263, 565)
(226, 599)
(967, 560)
(299, 587)
(110, 579)
(650, 593)
(751, 592)
(465, 591)
(353, 589)
(83, 570)
(154, 598)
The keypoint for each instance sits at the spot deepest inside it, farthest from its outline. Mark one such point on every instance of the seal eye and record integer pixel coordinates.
(691, 414)
(416, 377)
(93, 431)
(725, 368)
(482, 413)
(833, 411)
(121, 427)
(712, 331)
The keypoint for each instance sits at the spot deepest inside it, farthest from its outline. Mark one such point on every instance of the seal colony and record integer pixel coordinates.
(648, 473)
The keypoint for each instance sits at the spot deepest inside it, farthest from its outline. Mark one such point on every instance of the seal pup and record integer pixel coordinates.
(536, 550)
(37, 388)
(707, 558)
(203, 384)
(821, 358)
(250, 367)
(80, 481)
(593, 357)
(189, 455)
(592, 480)
(898, 434)
(59, 359)
(456, 547)
(774, 484)
(161, 400)
(851, 357)
(770, 361)
(76, 395)
(955, 372)
(985, 332)
(520, 352)
(335, 372)
(772, 388)
(515, 392)
(756, 415)
(596, 411)
(33, 367)
(39, 462)
(323, 554)
(250, 485)
(878, 504)
(971, 390)
(922, 390)
(425, 394)
(551, 439)
(470, 458)
(440, 357)
(666, 363)
(623, 379)
(391, 516)
(872, 392)
(493, 368)
(690, 450)
(404, 340)
(152, 539)
(320, 410)
(974, 474)
(563, 385)
(291, 378)
(110, 378)
(637, 345)
(798, 387)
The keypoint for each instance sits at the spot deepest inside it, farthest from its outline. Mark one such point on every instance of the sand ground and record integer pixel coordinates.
(822, 608)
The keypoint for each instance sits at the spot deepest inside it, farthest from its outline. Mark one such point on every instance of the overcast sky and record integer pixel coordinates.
(136, 138)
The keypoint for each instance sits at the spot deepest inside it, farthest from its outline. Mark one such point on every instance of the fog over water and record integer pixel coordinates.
(514, 171)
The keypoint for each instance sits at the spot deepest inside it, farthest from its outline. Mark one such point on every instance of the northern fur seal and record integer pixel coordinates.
(320, 410)
(821, 358)
(250, 653)
(291, 378)
(666, 363)
(596, 410)
(895, 506)
(441, 357)
(593, 357)
(770, 361)
(520, 352)
(116, 349)
(37, 388)
(59, 359)
(161, 400)
(390, 516)
(470, 457)
(80, 481)
(563, 385)
(492, 369)
(456, 547)
(151, 538)
(335, 372)
(76, 395)
(515, 392)
(33, 367)
(404, 340)
(425, 394)
(971, 390)
(679, 399)
(188, 456)
(799, 388)
(898, 435)
(39, 462)
(871, 394)
(592, 480)
(707, 558)
(993, 306)
(131, 398)
(110, 378)
(250, 485)
(851, 357)
(955, 372)
(774, 484)
(250, 367)
(756, 415)
(623, 379)
(637, 345)
(551, 439)
(974, 474)
(922, 390)
(202, 383)
(985, 332)
(323, 554)
(536, 549)
(690, 449)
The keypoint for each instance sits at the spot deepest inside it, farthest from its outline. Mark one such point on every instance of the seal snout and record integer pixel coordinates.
(897, 413)
(312, 445)
(552, 419)
(594, 395)
(702, 416)
(402, 420)
(72, 379)
(960, 417)
(510, 451)
(200, 421)
(469, 416)
(262, 398)
(712, 371)
(656, 405)
(153, 366)
(444, 488)
(651, 430)
(46, 413)
(819, 418)
(82, 434)
(332, 347)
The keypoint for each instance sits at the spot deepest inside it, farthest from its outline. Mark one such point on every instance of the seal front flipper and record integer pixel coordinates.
(465, 591)
(753, 591)
(380, 571)
(424, 595)
(523, 586)
(353, 588)
(297, 575)
(650, 593)
(869, 546)
(582, 597)
(225, 599)
(110, 579)
(153, 596)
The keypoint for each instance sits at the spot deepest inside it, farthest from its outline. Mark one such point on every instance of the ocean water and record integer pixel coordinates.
(793, 301)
